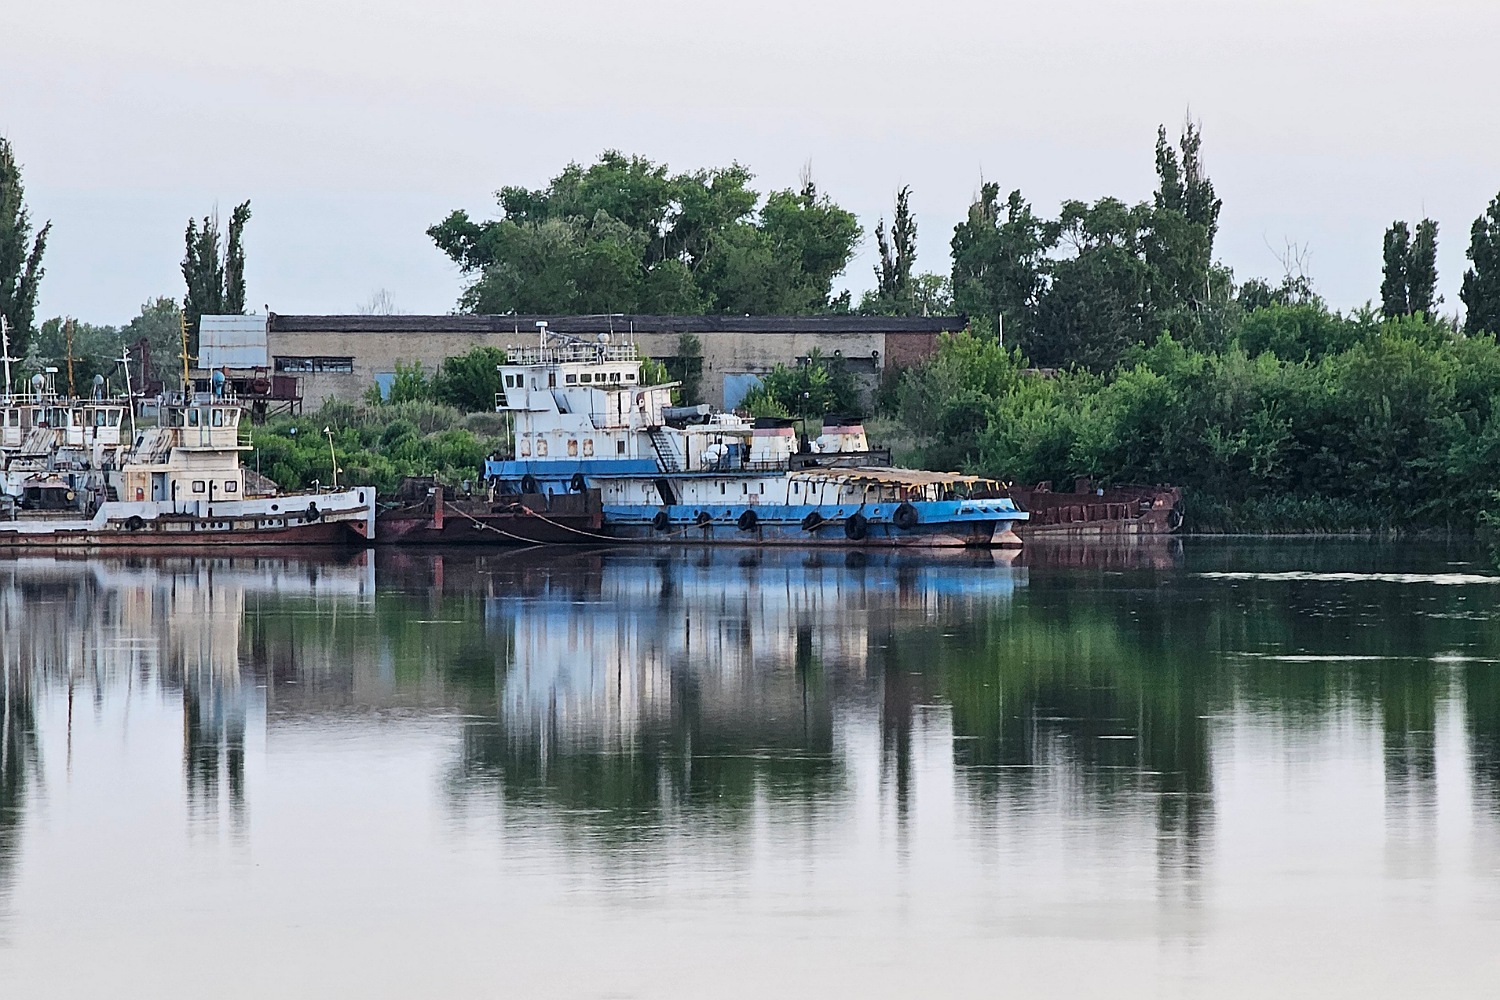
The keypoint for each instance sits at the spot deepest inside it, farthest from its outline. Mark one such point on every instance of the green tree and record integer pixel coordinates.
(625, 235)
(213, 267)
(687, 368)
(1481, 288)
(1393, 289)
(159, 324)
(469, 382)
(1421, 274)
(20, 254)
(95, 350)
(1000, 261)
(818, 386)
(895, 290)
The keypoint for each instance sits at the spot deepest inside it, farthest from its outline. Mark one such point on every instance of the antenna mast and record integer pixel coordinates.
(129, 393)
(186, 384)
(7, 359)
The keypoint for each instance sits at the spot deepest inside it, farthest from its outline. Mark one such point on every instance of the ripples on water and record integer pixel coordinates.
(1232, 768)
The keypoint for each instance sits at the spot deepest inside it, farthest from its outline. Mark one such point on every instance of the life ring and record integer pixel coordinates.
(313, 513)
(578, 484)
(906, 517)
(529, 484)
(748, 520)
(661, 522)
(71, 495)
(134, 523)
(813, 521)
(703, 518)
(856, 527)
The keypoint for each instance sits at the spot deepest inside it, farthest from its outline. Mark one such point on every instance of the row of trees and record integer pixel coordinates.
(1306, 419)
(626, 235)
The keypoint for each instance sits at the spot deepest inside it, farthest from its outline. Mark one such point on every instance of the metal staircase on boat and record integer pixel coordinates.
(665, 453)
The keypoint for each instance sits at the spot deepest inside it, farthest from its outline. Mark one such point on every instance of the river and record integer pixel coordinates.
(1198, 768)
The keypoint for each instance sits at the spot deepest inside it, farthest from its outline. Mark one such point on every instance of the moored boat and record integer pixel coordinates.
(583, 420)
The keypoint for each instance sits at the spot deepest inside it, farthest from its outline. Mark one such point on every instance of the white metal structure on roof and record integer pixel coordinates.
(233, 342)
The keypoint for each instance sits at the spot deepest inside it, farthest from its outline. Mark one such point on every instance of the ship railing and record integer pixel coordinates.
(571, 354)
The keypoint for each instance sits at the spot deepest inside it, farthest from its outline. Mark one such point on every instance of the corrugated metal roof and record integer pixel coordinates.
(232, 342)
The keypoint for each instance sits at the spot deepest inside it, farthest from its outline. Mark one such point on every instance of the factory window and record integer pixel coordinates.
(320, 365)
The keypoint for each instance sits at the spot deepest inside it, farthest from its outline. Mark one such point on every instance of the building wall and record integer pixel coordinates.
(751, 346)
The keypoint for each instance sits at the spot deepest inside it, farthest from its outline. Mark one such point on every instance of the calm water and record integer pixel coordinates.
(1203, 769)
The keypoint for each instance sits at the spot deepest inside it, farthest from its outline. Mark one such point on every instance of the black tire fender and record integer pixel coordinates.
(578, 484)
(748, 520)
(313, 513)
(856, 527)
(529, 484)
(813, 521)
(661, 522)
(703, 518)
(134, 523)
(906, 517)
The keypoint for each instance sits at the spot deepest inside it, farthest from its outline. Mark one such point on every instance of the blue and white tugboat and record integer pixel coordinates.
(582, 420)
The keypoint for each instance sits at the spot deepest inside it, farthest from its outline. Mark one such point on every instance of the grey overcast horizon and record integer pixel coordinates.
(352, 126)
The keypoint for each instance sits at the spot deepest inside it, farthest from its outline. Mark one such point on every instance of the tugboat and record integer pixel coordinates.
(582, 420)
(75, 476)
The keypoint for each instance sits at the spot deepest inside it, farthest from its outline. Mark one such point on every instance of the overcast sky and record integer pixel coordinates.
(352, 126)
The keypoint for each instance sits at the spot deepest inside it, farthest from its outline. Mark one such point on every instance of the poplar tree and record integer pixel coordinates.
(894, 292)
(1481, 289)
(1393, 300)
(214, 269)
(20, 255)
(1421, 270)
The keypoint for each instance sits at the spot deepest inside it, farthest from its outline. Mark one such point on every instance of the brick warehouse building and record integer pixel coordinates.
(340, 357)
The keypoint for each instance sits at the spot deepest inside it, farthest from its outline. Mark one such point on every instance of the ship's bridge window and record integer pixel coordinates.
(199, 486)
(218, 417)
(77, 418)
(114, 418)
(572, 380)
(586, 377)
(231, 486)
(630, 376)
(101, 418)
(614, 376)
(192, 418)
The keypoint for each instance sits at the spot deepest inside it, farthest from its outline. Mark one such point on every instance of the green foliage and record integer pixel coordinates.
(375, 445)
(1481, 288)
(159, 325)
(895, 291)
(818, 386)
(687, 368)
(411, 384)
(1102, 277)
(94, 350)
(470, 381)
(214, 269)
(654, 372)
(1307, 421)
(20, 255)
(624, 235)
(1410, 272)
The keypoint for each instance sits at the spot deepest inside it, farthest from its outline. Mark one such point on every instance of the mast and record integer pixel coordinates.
(72, 392)
(7, 359)
(129, 393)
(186, 383)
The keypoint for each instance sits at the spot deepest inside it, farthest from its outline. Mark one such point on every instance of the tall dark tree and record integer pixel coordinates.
(1393, 289)
(1000, 261)
(1184, 225)
(214, 269)
(20, 255)
(894, 291)
(1481, 289)
(1421, 270)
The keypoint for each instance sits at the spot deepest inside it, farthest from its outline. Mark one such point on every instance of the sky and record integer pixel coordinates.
(353, 126)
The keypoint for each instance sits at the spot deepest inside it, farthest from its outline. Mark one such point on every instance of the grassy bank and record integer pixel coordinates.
(375, 444)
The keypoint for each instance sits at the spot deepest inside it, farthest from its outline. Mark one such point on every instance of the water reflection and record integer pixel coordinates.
(1101, 717)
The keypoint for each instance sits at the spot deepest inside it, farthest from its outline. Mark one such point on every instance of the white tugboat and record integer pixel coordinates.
(582, 420)
(77, 473)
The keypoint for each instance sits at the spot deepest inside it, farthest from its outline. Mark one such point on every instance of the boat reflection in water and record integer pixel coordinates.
(1053, 759)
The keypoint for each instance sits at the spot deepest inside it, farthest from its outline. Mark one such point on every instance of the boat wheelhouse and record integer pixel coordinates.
(582, 418)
